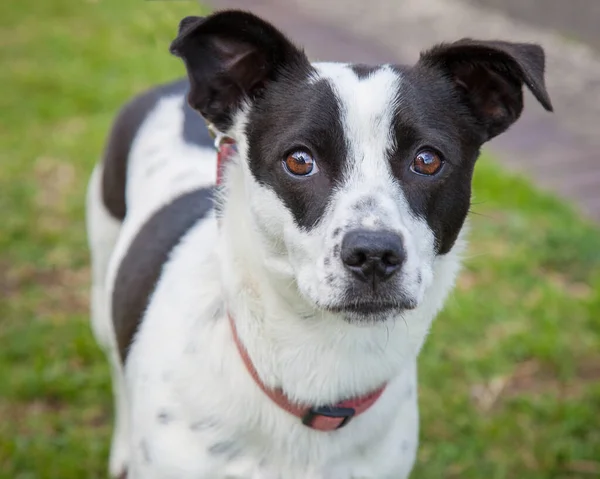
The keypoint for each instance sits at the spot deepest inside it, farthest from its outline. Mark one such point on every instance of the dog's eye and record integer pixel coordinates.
(300, 163)
(427, 163)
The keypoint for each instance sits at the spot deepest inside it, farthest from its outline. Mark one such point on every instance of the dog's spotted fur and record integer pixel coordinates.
(166, 273)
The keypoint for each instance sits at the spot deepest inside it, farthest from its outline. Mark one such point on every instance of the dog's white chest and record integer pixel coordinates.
(225, 445)
(197, 414)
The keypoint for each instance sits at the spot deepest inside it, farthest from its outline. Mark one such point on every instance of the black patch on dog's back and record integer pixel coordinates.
(194, 127)
(124, 131)
(142, 265)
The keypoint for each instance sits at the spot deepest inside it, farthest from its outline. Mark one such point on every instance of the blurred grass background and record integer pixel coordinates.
(510, 376)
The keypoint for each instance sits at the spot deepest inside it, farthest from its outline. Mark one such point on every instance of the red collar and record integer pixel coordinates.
(324, 418)
(226, 148)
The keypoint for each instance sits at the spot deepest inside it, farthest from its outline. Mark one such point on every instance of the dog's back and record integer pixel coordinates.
(153, 184)
(153, 136)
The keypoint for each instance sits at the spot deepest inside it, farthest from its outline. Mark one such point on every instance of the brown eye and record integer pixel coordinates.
(427, 163)
(300, 163)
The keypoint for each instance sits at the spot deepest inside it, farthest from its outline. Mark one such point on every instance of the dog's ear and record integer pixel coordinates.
(230, 56)
(490, 77)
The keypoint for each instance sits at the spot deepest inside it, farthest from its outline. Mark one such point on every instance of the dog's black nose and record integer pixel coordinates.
(372, 255)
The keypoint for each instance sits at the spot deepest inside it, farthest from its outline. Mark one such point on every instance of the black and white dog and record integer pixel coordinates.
(269, 327)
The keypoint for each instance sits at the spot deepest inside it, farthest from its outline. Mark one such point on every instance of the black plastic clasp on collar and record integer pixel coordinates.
(329, 411)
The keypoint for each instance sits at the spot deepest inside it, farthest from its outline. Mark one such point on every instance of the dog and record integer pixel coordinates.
(262, 306)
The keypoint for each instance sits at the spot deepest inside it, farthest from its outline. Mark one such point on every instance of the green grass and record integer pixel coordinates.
(510, 376)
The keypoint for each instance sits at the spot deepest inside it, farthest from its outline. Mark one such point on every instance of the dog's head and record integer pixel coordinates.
(358, 176)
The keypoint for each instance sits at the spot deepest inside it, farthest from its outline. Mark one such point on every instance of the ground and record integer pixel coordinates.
(509, 378)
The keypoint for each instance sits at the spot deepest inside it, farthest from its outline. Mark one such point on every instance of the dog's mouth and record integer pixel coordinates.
(372, 308)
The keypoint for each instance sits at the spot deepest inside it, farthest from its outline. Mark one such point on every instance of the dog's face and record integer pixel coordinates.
(359, 177)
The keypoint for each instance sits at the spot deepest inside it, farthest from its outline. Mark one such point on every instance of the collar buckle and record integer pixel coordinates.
(330, 414)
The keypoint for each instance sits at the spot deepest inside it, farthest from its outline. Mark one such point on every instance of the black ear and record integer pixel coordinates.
(230, 56)
(491, 75)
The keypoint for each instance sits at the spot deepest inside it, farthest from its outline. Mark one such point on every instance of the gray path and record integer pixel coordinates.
(559, 152)
(575, 19)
